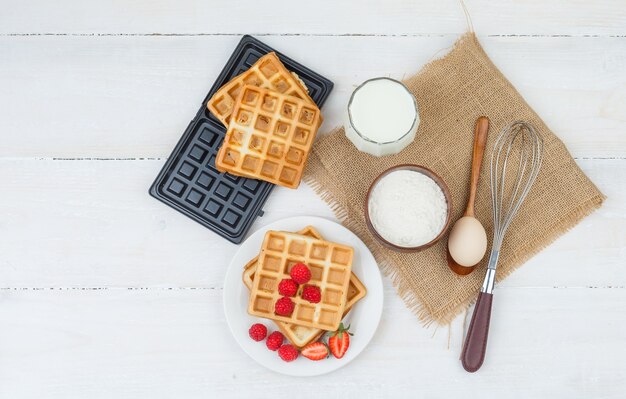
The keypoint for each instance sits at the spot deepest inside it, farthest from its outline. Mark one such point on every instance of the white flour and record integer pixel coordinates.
(407, 208)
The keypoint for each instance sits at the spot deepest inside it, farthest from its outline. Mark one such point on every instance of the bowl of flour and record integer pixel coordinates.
(408, 208)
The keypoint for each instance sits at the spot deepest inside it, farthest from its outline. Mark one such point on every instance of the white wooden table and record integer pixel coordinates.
(107, 293)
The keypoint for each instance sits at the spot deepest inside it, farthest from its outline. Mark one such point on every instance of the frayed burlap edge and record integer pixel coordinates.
(318, 179)
(323, 185)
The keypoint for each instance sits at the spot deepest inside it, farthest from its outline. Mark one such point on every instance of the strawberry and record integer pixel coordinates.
(275, 340)
(311, 293)
(315, 351)
(300, 273)
(284, 306)
(339, 341)
(258, 332)
(288, 353)
(287, 287)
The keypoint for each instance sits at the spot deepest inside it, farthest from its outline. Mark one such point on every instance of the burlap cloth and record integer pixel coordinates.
(451, 93)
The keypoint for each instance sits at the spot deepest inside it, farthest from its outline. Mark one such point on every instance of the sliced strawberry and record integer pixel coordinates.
(315, 351)
(339, 341)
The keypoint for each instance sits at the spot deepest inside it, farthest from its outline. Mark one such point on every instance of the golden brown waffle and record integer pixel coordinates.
(301, 336)
(331, 267)
(269, 73)
(269, 137)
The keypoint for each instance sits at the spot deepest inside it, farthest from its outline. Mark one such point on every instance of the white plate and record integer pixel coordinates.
(363, 318)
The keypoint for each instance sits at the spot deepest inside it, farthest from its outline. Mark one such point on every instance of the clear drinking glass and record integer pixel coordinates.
(398, 140)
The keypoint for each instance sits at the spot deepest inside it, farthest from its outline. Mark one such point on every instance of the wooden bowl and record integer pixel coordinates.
(429, 173)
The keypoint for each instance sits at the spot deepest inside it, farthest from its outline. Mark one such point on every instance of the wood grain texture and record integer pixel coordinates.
(367, 17)
(121, 97)
(107, 293)
(481, 130)
(92, 224)
(120, 343)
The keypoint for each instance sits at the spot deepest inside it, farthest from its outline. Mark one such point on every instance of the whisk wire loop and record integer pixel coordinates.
(519, 139)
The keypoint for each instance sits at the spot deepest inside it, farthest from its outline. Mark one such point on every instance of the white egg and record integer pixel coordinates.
(468, 241)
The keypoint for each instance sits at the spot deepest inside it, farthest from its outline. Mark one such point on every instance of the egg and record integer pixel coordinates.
(467, 242)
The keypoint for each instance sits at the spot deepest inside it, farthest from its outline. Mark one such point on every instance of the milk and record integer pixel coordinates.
(382, 117)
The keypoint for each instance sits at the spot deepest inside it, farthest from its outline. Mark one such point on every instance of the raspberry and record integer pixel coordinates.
(311, 293)
(300, 273)
(258, 332)
(288, 353)
(284, 306)
(275, 340)
(287, 287)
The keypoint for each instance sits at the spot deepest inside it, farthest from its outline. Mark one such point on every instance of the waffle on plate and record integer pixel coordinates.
(298, 335)
(331, 268)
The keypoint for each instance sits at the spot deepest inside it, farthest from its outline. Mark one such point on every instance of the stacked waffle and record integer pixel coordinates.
(330, 265)
(271, 123)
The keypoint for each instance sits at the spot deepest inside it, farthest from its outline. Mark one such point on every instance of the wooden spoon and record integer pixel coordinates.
(480, 140)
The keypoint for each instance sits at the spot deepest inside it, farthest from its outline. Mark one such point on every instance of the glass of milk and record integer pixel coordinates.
(382, 117)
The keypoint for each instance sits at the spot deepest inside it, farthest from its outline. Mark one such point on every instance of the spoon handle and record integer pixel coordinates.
(480, 140)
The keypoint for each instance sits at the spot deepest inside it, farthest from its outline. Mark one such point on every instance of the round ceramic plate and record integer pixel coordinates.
(363, 318)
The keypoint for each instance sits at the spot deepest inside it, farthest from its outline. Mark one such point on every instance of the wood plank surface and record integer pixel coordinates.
(132, 97)
(366, 17)
(92, 224)
(120, 343)
(107, 293)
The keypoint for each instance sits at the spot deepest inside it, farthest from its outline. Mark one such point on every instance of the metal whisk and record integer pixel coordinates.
(521, 140)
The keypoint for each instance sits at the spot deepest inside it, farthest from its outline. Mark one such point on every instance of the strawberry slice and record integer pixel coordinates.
(315, 351)
(339, 341)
